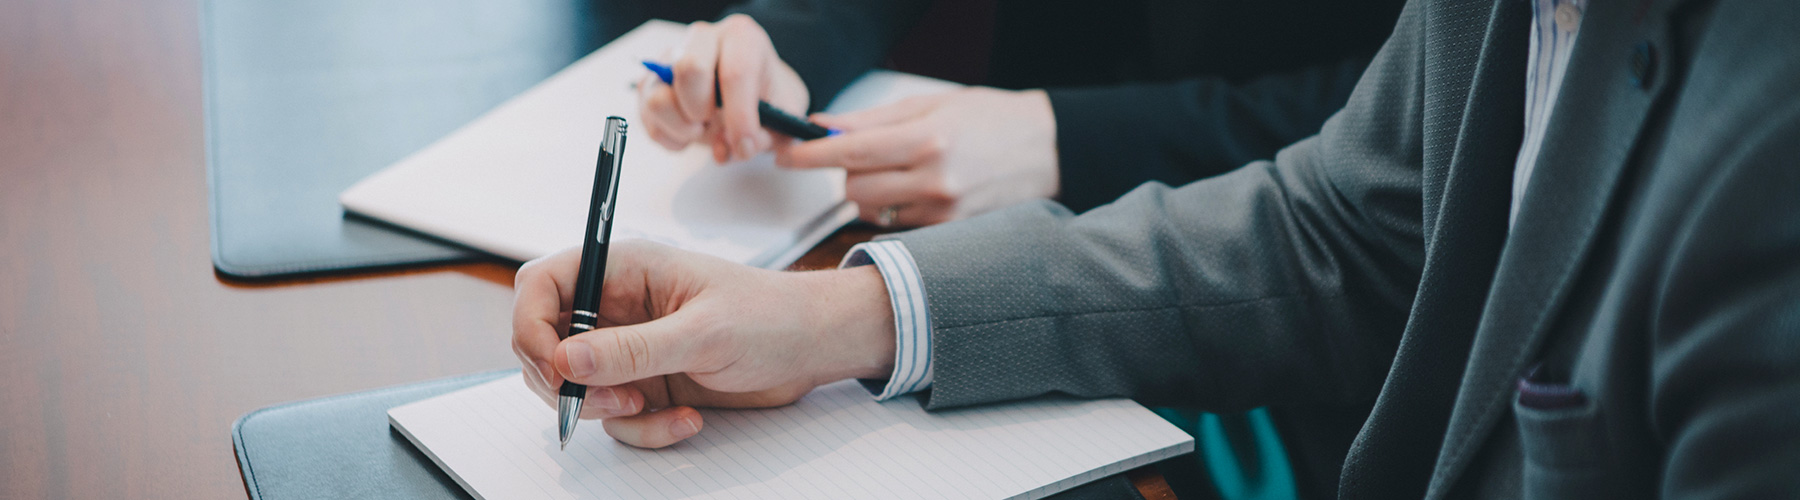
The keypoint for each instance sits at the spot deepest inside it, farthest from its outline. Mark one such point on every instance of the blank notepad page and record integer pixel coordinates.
(499, 441)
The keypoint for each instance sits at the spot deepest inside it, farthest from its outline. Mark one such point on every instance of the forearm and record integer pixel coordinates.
(1282, 282)
(831, 42)
(1214, 296)
(1111, 139)
(853, 324)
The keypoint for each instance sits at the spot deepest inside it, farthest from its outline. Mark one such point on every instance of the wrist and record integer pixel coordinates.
(855, 322)
(1045, 177)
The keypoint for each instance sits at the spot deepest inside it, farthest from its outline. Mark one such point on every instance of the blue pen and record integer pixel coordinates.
(771, 118)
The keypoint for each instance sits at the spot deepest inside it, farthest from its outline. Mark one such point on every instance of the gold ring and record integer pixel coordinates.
(886, 217)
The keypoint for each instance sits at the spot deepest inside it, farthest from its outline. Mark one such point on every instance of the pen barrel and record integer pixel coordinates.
(572, 390)
(793, 126)
(590, 277)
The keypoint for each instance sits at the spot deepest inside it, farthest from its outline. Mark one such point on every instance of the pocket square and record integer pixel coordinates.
(1549, 396)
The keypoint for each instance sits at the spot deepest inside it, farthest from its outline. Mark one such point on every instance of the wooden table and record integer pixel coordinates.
(123, 357)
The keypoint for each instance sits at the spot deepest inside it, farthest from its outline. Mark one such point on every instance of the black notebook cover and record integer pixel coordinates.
(303, 99)
(342, 447)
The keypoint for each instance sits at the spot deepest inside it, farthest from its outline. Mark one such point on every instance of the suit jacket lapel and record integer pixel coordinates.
(1469, 60)
(1593, 127)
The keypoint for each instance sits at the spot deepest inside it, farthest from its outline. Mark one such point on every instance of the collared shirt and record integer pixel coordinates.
(912, 320)
(1554, 24)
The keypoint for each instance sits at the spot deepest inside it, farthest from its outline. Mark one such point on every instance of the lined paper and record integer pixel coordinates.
(499, 441)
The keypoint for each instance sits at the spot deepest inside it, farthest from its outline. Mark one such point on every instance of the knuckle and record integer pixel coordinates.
(632, 352)
(934, 189)
(740, 22)
(732, 75)
(659, 101)
(856, 191)
(858, 156)
(934, 147)
(525, 273)
(690, 68)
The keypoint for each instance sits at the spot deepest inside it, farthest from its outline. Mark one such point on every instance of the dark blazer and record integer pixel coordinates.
(1211, 84)
(1635, 334)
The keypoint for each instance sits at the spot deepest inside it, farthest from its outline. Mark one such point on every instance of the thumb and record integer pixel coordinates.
(617, 355)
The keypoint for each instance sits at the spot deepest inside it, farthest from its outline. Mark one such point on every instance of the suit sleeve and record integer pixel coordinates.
(1111, 139)
(831, 42)
(1725, 367)
(1285, 281)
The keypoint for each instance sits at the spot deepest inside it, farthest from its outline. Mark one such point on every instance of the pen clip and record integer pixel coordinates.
(613, 145)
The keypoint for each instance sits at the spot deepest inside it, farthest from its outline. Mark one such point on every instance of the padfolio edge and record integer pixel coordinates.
(342, 447)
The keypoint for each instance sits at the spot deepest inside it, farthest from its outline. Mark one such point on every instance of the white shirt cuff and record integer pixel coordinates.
(912, 320)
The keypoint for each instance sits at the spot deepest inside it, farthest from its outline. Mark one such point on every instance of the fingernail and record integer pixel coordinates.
(683, 428)
(607, 398)
(581, 359)
(746, 147)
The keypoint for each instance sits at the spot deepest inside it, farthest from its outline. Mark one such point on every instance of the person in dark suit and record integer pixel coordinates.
(1099, 99)
(1551, 247)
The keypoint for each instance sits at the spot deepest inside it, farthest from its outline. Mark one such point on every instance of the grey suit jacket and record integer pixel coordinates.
(1636, 335)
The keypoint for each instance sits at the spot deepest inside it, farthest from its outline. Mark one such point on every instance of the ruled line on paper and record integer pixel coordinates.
(498, 441)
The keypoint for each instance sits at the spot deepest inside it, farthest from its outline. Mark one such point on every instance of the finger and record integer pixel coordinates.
(544, 288)
(887, 147)
(744, 54)
(781, 145)
(537, 387)
(694, 72)
(915, 215)
(715, 134)
(534, 380)
(611, 402)
(684, 390)
(887, 114)
(655, 429)
(612, 356)
(662, 116)
(896, 187)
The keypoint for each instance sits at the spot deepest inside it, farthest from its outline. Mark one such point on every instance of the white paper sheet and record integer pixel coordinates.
(516, 181)
(499, 441)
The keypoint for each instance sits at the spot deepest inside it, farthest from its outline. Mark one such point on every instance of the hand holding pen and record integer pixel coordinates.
(591, 276)
(713, 91)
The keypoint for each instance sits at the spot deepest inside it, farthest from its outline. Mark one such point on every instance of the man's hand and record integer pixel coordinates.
(679, 329)
(737, 55)
(940, 157)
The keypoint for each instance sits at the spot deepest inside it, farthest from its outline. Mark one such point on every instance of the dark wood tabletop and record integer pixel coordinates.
(123, 358)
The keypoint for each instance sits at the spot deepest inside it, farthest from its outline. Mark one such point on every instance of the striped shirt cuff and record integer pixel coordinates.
(912, 320)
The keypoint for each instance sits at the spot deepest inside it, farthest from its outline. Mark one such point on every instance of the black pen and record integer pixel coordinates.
(766, 114)
(593, 265)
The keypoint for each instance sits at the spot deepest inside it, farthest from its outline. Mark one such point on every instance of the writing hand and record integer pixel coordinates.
(680, 330)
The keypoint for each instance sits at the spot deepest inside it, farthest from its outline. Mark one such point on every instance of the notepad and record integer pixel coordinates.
(516, 181)
(499, 441)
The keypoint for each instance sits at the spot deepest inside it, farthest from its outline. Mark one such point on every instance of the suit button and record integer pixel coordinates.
(1568, 17)
(1643, 64)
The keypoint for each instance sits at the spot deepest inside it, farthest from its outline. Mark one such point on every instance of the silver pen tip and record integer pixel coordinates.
(568, 413)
